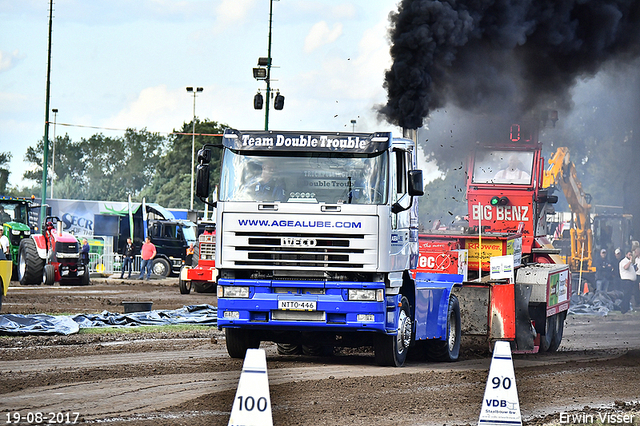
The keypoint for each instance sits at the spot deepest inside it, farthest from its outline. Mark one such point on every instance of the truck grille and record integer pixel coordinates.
(207, 247)
(299, 250)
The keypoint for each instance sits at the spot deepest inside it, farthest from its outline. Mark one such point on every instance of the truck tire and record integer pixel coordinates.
(550, 342)
(391, 350)
(238, 341)
(185, 286)
(288, 349)
(448, 350)
(317, 350)
(30, 265)
(160, 267)
(49, 274)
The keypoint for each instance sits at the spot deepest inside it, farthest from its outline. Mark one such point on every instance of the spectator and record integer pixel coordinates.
(615, 282)
(84, 253)
(127, 258)
(604, 272)
(636, 288)
(4, 242)
(628, 276)
(148, 252)
(190, 252)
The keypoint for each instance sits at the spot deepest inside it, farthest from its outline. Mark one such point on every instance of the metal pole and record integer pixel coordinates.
(53, 156)
(266, 112)
(193, 146)
(45, 159)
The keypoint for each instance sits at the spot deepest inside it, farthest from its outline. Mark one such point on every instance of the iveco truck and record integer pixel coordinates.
(316, 239)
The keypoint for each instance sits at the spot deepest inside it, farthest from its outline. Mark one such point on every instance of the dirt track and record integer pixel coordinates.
(187, 378)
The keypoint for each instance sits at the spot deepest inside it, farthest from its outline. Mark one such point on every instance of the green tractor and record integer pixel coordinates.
(15, 219)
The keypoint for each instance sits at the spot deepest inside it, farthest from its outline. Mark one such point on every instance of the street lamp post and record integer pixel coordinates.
(193, 139)
(53, 157)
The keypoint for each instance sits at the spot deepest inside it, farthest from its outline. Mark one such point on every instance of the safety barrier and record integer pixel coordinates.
(110, 263)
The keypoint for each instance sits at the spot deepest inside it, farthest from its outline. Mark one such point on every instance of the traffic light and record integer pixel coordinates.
(258, 100)
(278, 103)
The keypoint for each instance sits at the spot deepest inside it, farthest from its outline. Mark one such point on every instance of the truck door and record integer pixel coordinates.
(400, 220)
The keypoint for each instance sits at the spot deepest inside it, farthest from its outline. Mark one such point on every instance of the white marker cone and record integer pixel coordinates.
(500, 406)
(252, 404)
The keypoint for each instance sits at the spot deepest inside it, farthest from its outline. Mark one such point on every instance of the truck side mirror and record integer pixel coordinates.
(416, 185)
(204, 156)
(202, 180)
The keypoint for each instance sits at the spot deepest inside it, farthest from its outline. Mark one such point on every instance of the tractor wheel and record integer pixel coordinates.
(1, 296)
(30, 265)
(160, 267)
(49, 274)
(448, 350)
(391, 350)
(238, 341)
(185, 286)
(86, 278)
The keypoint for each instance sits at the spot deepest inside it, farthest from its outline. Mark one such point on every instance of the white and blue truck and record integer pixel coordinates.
(316, 240)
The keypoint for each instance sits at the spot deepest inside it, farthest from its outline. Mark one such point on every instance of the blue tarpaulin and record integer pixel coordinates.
(40, 324)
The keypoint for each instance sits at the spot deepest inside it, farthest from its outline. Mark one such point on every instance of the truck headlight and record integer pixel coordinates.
(366, 295)
(233, 291)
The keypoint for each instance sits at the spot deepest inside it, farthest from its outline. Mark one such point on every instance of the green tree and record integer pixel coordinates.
(170, 185)
(5, 157)
(100, 168)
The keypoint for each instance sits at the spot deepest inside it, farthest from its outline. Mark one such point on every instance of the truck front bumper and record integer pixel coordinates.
(306, 306)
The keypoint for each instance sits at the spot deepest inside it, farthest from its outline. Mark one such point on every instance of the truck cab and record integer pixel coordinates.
(316, 237)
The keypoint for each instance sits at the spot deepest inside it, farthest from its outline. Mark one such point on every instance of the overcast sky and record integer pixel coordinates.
(123, 63)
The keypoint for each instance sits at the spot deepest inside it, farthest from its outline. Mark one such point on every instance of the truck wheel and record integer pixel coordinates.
(449, 349)
(288, 349)
(185, 286)
(317, 350)
(238, 341)
(48, 274)
(30, 265)
(391, 350)
(160, 267)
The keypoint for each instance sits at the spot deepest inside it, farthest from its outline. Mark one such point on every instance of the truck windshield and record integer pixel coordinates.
(311, 177)
(503, 167)
(189, 232)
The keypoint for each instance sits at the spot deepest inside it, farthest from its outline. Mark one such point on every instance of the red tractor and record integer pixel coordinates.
(201, 275)
(51, 256)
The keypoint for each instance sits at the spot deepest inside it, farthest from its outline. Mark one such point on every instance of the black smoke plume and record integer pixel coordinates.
(489, 56)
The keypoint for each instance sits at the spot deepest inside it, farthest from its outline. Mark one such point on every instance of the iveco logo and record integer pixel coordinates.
(297, 241)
